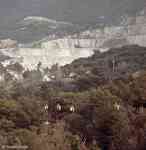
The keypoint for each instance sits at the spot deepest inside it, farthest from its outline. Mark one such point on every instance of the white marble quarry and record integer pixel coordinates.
(48, 57)
(133, 30)
(96, 41)
(65, 50)
(70, 43)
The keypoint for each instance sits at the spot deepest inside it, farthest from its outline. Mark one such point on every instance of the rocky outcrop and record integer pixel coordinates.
(8, 43)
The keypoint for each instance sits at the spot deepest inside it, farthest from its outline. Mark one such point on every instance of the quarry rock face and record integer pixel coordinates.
(30, 57)
(48, 57)
(71, 43)
(131, 31)
(64, 50)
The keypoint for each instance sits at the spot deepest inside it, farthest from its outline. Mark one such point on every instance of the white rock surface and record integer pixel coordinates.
(133, 29)
(30, 58)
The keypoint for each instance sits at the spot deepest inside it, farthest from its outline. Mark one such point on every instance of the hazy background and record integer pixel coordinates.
(77, 11)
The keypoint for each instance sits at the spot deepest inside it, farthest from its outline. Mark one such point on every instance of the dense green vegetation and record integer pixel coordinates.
(103, 67)
(22, 116)
(108, 114)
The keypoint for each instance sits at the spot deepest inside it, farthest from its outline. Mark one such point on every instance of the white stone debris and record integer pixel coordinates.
(58, 106)
(117, 106)
(46, 107)
(72, 108)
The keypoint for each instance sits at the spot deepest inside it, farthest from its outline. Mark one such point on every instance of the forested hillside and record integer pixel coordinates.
(101, 112)
(104, 67)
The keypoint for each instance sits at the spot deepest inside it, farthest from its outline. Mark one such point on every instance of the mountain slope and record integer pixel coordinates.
(33, 28)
